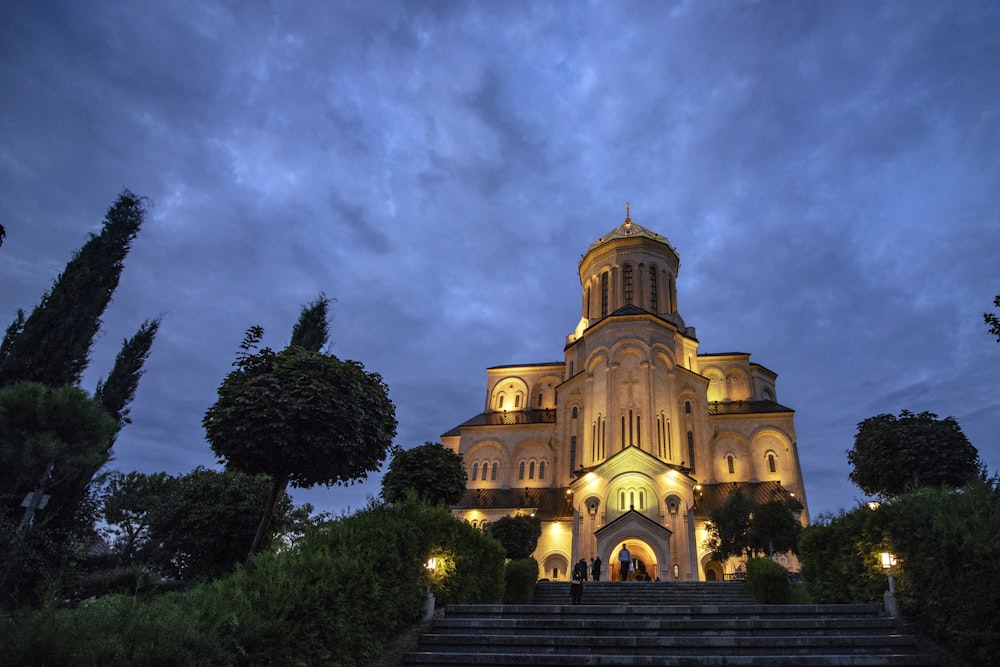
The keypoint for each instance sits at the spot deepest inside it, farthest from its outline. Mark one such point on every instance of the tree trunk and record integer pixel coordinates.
(278, 486)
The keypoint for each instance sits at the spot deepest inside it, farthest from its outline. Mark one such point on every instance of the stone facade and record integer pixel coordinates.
(634, 437)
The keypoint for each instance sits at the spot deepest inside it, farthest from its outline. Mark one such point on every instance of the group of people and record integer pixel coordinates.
(582, 571)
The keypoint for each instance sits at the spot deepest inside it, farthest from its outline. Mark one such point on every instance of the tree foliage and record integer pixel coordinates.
(47, 437)
(518, 534)
(198, 525)
(893, 455)
(434, 473)
(299, 415)
(52, 345)
(742, 527)
(992, 320)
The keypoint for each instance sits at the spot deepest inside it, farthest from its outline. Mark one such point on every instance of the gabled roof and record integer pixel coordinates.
(547, 503)
(712, 496)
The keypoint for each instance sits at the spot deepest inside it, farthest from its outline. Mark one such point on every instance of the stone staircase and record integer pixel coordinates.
(663, 623)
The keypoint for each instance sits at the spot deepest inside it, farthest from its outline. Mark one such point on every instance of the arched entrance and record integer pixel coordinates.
(555, 567)
(713, 571)
(644, 565)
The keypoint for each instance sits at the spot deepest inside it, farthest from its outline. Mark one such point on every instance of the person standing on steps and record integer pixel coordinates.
(576, 581)
(595, 569)
(624, 562)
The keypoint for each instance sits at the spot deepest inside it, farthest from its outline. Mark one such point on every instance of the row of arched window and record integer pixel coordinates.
(490, 470)
(770, 458)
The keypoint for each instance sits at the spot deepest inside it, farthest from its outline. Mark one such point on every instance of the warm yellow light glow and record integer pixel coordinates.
(431, 564)
(873, 504)
(697, 487)
(888, 560)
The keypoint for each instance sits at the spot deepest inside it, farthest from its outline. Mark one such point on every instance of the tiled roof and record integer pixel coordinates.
(712, 496)
(512, 418)
(745, 407)
(547, 503)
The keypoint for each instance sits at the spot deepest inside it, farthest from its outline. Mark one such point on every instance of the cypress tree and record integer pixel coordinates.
(52, 345)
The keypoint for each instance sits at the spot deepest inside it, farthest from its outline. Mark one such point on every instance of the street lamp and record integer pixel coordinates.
(888, 561)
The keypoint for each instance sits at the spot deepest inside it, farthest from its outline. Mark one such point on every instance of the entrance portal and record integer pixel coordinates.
(644, 566)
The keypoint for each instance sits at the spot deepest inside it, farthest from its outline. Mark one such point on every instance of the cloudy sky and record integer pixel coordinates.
(829, 173)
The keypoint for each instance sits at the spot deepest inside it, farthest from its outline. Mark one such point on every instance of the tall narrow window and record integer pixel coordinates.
(500, 402)
(631, 500)
(539, 400)
(642, 500)
(541, 470)
(652, 290)
(732, 464)
(531, 470)
(493, 473)
(517, 400)
(691, 449)
(520, 471)
(631, 441)
(638, 431)
(621, 501)
(623, 431)
(572, 453)
(574, 412)
(604, 294)
(475, 471)
(628, 284)
(770, 463)
(687, 407)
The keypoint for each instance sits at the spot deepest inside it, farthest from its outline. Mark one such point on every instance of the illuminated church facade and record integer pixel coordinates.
(634, 437)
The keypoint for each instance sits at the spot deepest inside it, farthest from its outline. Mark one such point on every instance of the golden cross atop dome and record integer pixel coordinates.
(628, 220)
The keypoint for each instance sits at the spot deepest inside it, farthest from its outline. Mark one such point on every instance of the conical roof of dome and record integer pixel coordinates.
(629, 229)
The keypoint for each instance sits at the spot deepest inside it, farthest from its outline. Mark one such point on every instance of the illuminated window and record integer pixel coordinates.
(732, 465)
(770, 463)
(628, 284)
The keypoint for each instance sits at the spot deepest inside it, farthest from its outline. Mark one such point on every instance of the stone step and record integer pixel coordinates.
(626, 626)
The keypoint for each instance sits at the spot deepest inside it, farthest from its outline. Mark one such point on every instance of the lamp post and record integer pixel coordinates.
(888, 561)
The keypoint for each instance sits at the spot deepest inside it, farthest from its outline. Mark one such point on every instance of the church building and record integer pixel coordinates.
(634, 438)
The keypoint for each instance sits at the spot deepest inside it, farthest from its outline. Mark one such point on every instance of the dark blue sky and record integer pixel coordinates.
(828, 171)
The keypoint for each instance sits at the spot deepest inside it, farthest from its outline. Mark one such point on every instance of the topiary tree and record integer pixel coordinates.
(435, 474)
(893, 455)
(301, 416)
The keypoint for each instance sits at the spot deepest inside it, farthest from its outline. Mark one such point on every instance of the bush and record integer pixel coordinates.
(767, 581)
(840, 557)
(520, 577)
(948, 545)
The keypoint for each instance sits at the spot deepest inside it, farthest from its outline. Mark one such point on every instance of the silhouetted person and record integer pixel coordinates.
(624, 562)
(595, 569)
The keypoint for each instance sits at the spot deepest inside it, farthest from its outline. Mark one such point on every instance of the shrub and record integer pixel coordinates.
(840, 557)
(767, 581)
(948, 544)
(520, 577)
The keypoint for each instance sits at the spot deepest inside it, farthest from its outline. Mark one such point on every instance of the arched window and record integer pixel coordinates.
(687, 407)
(642, 500)
(520, 471)
(691, 449)
(541, 470)
(475, 470)
(628, 284)
(652, 290)
(486, 466)
(732, 464)
(539, 400)
(572, 453)
(771, 464)
(517, 400)
(493, 473)
(500, 402)
(604, 294)
(621, 501)
(531, 470)
(574, 412)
